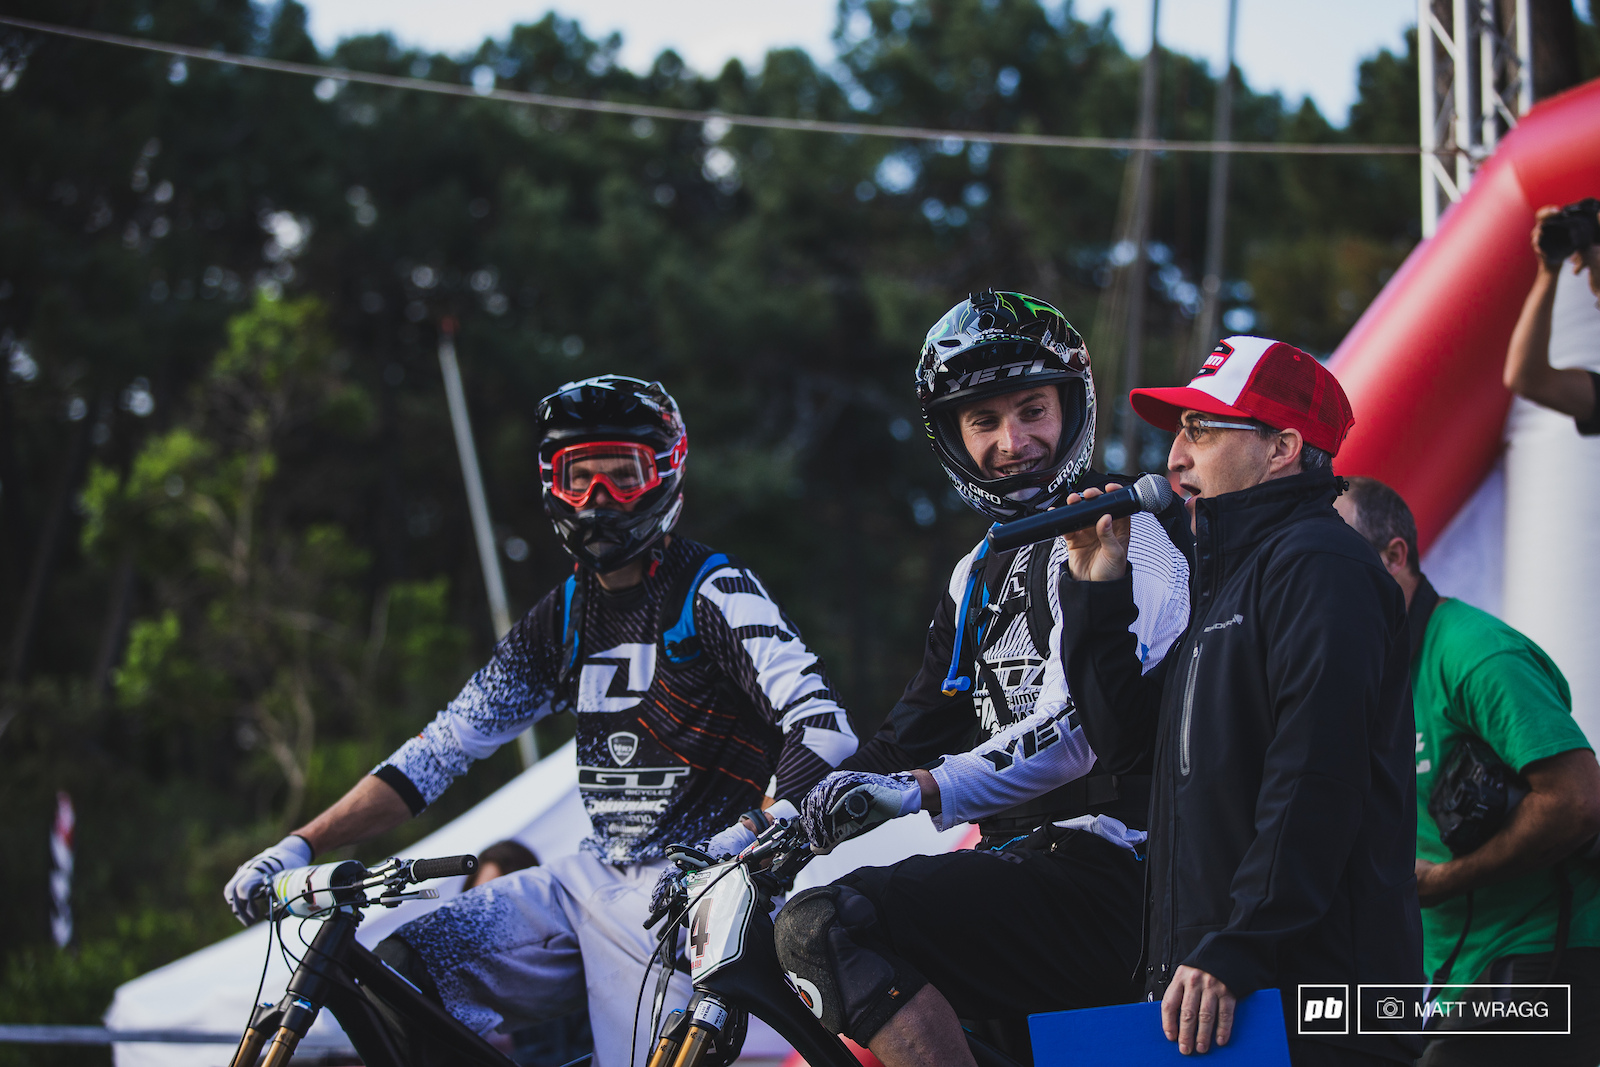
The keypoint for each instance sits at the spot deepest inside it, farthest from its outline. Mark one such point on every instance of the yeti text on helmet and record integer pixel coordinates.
(611, 455)
(994, 343)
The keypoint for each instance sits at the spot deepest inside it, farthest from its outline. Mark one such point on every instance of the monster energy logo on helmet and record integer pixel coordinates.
(994, 343)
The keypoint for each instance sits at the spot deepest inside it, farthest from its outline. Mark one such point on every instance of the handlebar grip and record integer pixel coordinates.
(443, 867)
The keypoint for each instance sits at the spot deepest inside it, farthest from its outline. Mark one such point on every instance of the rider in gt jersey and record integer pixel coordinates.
(1047, 912)
(691, 688)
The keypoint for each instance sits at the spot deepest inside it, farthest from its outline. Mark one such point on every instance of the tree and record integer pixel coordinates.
(225, 285)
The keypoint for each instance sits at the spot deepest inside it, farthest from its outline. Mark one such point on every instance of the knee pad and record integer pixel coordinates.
(827, 942)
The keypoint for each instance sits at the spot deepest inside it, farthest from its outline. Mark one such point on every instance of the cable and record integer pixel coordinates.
(261, 983)
(677, 114)
(672, 925)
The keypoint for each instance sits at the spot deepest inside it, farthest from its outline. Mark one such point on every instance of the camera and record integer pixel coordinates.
(1574, 228)
(1390, 1008)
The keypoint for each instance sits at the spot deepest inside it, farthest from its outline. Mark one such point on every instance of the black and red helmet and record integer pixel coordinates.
(623, 434)
(999, 342)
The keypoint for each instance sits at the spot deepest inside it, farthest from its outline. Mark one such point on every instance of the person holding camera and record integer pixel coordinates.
(1561, 234)
(1503, 899)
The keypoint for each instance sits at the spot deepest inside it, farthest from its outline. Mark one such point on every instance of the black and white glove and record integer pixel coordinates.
(246, 891)
(848, 803)
(720, 846)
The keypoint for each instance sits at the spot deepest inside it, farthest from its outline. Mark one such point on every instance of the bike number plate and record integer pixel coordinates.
(718, 923)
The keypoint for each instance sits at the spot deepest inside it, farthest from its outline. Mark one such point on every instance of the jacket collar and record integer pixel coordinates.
(1229, 526)
(1423, 601)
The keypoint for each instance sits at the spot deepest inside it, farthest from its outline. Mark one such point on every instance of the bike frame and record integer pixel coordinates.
(736, 969)
(340, 974)
(385, 1016)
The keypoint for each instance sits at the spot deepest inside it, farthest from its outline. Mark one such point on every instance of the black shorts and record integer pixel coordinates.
(1006, 934)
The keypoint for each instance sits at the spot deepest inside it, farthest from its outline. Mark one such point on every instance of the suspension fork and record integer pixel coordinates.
(686, 1035)
(288, 1020)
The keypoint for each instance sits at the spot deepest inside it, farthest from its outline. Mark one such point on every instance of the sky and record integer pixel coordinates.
(1297, 47)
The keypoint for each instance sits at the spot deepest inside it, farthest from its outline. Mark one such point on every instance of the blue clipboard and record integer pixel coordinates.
(1129, 1035)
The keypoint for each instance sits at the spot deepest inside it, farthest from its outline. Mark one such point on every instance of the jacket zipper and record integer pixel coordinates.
(1188, 711)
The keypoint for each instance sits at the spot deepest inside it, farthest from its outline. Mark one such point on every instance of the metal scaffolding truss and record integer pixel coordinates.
(1475, 78)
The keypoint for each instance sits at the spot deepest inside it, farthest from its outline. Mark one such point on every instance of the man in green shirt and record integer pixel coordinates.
(1474, 676)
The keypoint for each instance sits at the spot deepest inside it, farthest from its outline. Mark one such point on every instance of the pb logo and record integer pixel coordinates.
(1324, 1009)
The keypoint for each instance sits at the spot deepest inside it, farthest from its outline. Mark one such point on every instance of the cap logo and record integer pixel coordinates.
(1215, 360)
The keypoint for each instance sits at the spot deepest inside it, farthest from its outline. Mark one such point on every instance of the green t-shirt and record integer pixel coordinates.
(1476, 675)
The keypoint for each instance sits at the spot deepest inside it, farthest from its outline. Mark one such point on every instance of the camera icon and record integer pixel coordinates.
(1390, 1008)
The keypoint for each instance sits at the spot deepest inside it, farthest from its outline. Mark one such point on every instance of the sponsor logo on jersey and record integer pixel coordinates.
(1042, 737)
(616, 679)
(640, 779)
(623, 746)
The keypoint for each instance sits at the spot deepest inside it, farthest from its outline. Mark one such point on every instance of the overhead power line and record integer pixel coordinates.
(675, 114)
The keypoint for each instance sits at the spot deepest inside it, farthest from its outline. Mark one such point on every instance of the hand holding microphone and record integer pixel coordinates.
(1094, 524)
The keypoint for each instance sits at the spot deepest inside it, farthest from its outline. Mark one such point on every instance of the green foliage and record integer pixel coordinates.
(151, 643)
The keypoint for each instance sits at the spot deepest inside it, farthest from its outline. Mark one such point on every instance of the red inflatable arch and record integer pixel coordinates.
(1422, 367)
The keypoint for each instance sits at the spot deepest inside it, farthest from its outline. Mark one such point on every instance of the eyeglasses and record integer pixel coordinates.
(627, 470)
(1196, 430)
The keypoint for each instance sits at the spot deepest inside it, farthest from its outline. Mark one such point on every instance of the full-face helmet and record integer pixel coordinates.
(994, 343)
(607, 443)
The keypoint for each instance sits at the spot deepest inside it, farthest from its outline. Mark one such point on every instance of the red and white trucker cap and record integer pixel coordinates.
(1257, 378)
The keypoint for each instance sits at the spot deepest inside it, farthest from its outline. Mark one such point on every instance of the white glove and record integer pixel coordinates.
(738, 837)
(246, 890)
(722, 846)
(848, 803)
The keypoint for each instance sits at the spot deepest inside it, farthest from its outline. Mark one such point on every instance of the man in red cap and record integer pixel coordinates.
(1283, 817)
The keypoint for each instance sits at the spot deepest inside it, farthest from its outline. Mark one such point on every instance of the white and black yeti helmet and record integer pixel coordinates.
(630, 430)
(998, 342)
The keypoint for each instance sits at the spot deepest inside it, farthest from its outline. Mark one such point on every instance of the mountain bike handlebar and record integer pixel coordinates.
(311, 891)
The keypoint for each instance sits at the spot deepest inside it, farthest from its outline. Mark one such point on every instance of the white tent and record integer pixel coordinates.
(210, 991)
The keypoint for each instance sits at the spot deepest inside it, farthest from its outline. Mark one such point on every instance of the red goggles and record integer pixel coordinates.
(626, 469)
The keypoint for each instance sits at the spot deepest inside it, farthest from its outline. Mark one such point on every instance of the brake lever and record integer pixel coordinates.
(390, 900)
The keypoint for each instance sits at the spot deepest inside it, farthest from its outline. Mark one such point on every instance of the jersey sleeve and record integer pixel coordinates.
(1518, 702)
(1160, 590)
(761, 650)
(1029, 758)
(513, 691)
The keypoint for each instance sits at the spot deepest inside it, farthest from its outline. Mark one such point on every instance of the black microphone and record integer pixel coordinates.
(1150, 493)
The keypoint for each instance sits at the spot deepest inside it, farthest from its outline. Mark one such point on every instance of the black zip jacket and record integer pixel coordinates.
(1283, 812)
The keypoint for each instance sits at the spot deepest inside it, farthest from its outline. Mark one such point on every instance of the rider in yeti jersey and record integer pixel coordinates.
(999, 755)
(666, 751)
(988, 733)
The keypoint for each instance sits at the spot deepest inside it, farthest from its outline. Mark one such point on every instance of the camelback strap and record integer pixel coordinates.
(954, 681)
(976, 630)
(1041, 621)
(676, 623)
(679, 641)
(572, 597)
